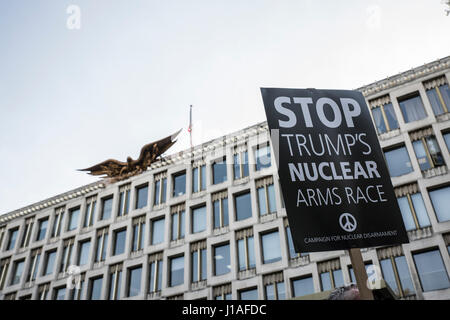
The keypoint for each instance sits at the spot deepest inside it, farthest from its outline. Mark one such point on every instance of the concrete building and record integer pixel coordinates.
(209, 222)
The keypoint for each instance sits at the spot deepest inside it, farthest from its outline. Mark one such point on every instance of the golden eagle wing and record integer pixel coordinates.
(110, 167)
(153, 150)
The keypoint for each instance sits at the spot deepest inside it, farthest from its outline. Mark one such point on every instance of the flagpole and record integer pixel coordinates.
(190, 125)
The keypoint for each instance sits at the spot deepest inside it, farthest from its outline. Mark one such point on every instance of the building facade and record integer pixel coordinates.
(210, 223)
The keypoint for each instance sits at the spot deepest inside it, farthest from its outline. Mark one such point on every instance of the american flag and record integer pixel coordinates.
(190, 125)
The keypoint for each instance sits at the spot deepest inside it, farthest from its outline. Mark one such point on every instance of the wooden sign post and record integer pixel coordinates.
(360, 274)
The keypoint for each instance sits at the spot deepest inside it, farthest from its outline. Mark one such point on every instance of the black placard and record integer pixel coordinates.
(335, 183)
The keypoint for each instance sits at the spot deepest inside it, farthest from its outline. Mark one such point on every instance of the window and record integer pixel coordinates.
(198, 258)
(160, 188)
(220, 209)
(156, 270)
(274, 286)
(412, 207)
(17, 272)
(10, 296)
(42, 231)
(83, 253)
(447, 140)
(292, 253)
(95, 288)
(179, 184)
(266, 196)
(176, 271)
(412, 107)
(398, 161)
(138, 233)
(395, 271)
(222, 264)
(78, 285)
(73, 219)
(198, 178)
(383, 114)
(34, 265)
(302, 286)
(67, 254)
(59, 293)
(330, 274)
(177, 222)
(431, 270)
(199, 219)
(222, 292)
(158, 226)
(124, 200)
(43, 291)
(89, 214)
(115, 279)
(248, 294)
(119, 241)
(262, 156)
(219, 169)
(243, 206)
(141, 196)
(134, 281)
(102, 245)
(4, 266)
(57, 222)
(106, 208)
(240, 164)
(246, 249)
(12, 238)
(426, 149)
(49, 262)
(271, 247)
(27, 234)
(438, 93)
(441, 202)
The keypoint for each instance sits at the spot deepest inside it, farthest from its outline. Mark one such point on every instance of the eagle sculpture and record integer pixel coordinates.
(118, 170)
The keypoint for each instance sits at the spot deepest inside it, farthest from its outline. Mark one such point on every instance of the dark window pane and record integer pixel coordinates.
(158, 231)
(421, 155)
(43, 224)
(179, 185)
(412, 109)
(222, 264)
(135, 282)
(73, 219)
(142, 195)
(389, 275)
(199, 219)
(398, 162)
(176, 271)
(325, 281)
(164, 189)
(405, 277)
(378, 119)
(243, 206)
(262, 201)
(407, 215)
(157, 191)
(262, 157)
(421, 211)
(338, 278)
(271, 247)
(195, 186)
(107, 208)
(445, 92)
(219, 172)
(440, 199)
(50, 265)
(302, 287)
(390, 115)
(435, 102)
(17, 273)
(236, 166)
(292, 253)
(96, 289)
(251, 294)
(119, 245)
(84, 253)
(60, 294)
(431, 270)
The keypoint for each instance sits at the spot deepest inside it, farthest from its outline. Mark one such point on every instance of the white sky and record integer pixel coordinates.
(72, 98)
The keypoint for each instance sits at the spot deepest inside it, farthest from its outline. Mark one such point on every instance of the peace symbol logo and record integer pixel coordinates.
(347, 222)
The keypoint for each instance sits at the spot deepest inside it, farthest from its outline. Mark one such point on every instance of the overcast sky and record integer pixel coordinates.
(72, 97)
